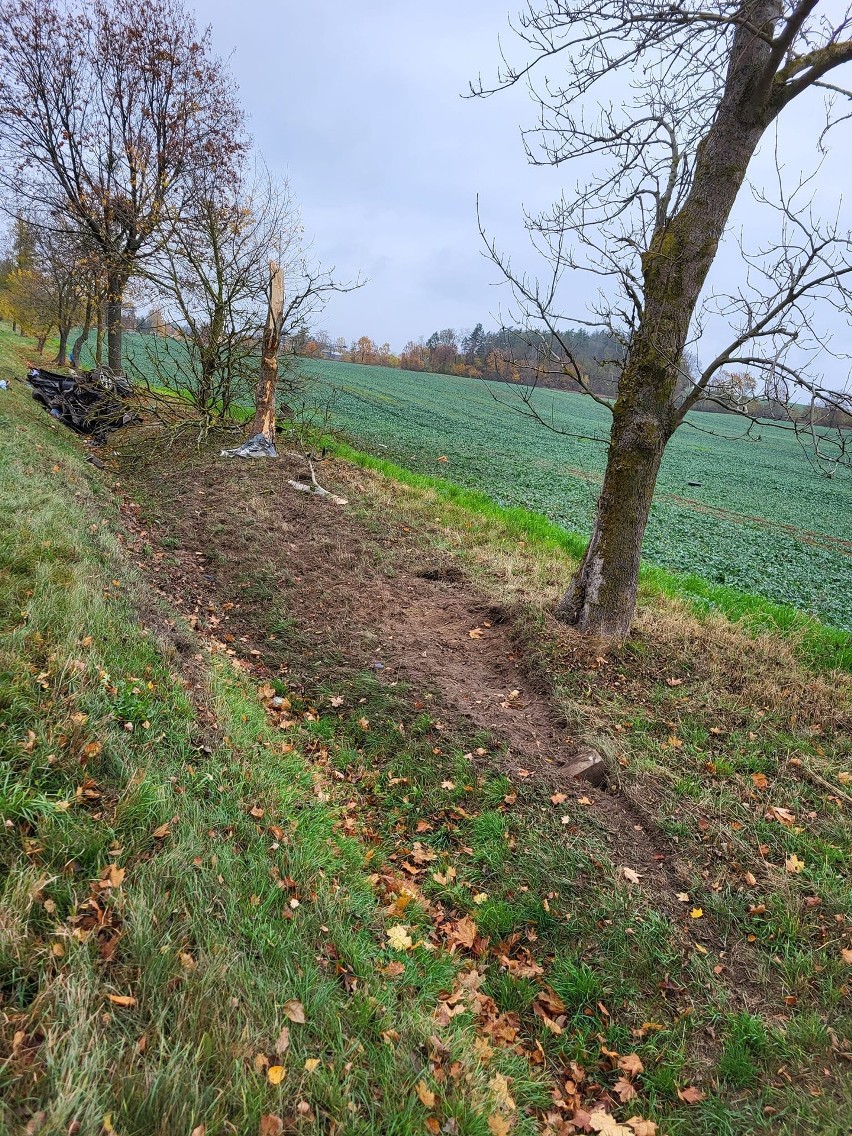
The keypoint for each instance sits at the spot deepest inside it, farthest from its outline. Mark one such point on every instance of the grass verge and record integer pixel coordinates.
(827, 648)
(192, 863)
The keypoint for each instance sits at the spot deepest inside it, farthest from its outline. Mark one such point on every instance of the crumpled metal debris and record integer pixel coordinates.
(257, 447)
(90, 403)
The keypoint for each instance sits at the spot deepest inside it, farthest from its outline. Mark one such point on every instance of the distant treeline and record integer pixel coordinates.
(580, 360)
(508, 355)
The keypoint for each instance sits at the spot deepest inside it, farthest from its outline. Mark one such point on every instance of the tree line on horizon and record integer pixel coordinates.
(513, 355)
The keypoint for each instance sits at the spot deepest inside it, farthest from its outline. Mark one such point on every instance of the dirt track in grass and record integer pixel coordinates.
(300, 587)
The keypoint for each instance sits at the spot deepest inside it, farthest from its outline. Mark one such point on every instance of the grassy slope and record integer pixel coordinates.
(826, 647)
(200, 932)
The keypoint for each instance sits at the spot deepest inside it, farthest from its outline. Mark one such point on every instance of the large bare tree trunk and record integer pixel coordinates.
(99, 336)
(114, 297)
(601, 597)
(264, 417)
(62, 352)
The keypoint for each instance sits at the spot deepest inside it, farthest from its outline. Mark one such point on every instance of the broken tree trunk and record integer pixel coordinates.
(264, 415)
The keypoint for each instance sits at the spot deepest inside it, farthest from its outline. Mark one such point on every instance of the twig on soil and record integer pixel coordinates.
(315, 486)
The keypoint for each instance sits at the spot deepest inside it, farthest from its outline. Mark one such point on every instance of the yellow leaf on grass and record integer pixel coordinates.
(121, 999)
(427, 1097)
(499, 1086)
(642, 1127)
(399, 938)
(275, 1074)
(600, 1121)
(793, 864)
(499, 1125)
(696, 913)
(311, 1064)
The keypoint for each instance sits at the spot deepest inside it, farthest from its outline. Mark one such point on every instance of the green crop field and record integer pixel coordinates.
(763, 519)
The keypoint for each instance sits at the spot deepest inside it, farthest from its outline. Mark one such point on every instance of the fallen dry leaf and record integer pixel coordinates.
(759, 780)
(121, 999)
(270, 1125)
(690, 1095)
(399, 938)
(499, 1086)
(282, 1043)
(312, 1064)
(427, 1097)
(783, 816)
(275, 1074)
(499, 1125)
(631, 1064)
(642, 1127)
(162, 832)
(295, 1011)
(558, 798)
(463, 932)
(846, 955)
(696, 913)
(793, 864)
(625, 1089)
(631, 876)
(600, 1121)
(112, 877)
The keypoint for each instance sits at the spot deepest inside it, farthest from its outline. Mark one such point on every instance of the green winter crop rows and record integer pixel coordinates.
(762, 519)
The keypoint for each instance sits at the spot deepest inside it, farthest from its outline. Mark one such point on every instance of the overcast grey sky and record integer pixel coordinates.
(360, 104)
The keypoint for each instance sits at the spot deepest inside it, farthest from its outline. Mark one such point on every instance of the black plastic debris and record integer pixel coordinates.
(90, 403)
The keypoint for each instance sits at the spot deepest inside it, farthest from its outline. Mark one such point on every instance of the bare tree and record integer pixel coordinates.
(210, 282)
(666, 103)
(114, 105)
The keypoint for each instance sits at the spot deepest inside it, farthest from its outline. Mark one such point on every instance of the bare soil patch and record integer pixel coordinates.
(345, 586)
